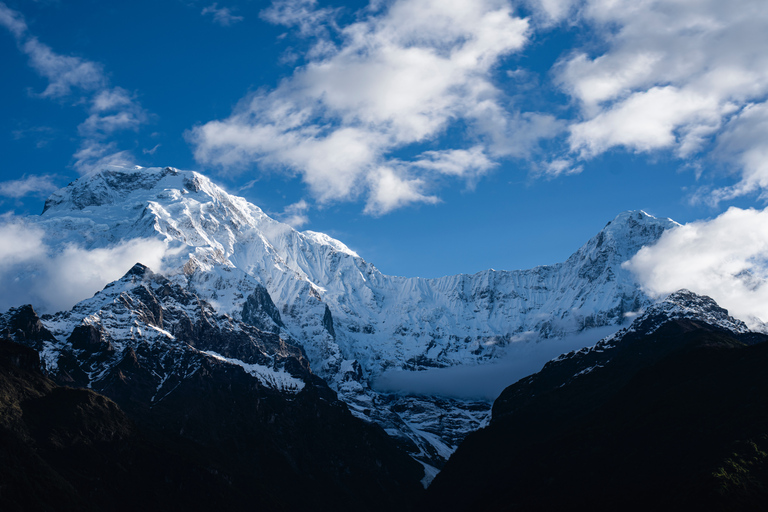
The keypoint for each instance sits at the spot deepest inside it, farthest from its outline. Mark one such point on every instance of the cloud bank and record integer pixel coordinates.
(487, 381)
(725, 258)
(688, 78)
(32, 272)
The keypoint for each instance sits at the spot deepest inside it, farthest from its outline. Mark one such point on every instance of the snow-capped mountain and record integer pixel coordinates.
(208, 412)
(305, 288)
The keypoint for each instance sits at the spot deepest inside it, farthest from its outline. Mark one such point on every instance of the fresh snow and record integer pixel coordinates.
(275, 379)
(354, 323)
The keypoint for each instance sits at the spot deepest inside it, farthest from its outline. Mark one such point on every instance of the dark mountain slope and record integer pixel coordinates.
(72, 449)
(671, 413)
(192, 431)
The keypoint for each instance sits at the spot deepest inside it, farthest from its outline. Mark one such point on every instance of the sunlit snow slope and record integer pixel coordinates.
(353, 321)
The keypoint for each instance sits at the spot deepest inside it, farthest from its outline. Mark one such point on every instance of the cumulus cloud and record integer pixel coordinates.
(33, 272)
(397, 78)
(673, 76)
(36, 184)
(744, 141)
(390, 190)
(221, 15)
(725, 258)
(295, 215)
(471, 162)
(303, 14)
(110, 109)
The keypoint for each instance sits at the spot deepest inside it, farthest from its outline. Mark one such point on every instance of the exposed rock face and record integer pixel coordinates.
(243, 447)
(259, 305)
(23, 324)
(649, 418)
(242, 400)
(315, 292)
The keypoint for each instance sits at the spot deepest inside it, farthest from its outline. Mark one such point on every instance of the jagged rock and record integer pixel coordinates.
(87, 337)
(258, 305)
(23, 324)
(315, 292)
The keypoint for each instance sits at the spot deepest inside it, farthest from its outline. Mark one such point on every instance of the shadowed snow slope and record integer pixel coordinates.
(353, 322)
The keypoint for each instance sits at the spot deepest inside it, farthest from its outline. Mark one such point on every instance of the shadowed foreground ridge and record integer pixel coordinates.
(670, 413)
(220, 442)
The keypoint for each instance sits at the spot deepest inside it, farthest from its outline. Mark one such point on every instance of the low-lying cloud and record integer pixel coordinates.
(487, 381)
(725, 258)
(33, 272)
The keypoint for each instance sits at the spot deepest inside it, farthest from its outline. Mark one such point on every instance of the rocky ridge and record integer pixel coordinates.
(352, 322)
(670, 412)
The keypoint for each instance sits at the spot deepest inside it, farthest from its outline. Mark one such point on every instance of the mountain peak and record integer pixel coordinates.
(139, 270)
(625, 235)
(112, 184)
(687, 304)
(636, 222)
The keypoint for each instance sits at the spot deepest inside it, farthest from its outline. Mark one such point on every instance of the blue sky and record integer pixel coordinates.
(432, 137)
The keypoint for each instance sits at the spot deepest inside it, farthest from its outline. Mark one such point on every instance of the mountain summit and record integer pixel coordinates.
(352, 322)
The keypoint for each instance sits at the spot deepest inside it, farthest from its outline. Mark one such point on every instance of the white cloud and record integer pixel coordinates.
(662, 117)
(64, 73)
(672, 76)
(560, 167)
(456, 162)
(549, 12)
(744, 141)
(54, 280)
(400, 77)
(390, 190)
(295, 215)
(111, 109)
(303, 14)
(221, 15)
(151, 151)
(725, 258)
(94, 154)
(35, 184)
(111, 99)
(12, 20)
(20, 242)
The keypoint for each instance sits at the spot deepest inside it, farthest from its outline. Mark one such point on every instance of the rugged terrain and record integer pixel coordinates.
(219, 433)
(353, 323)
(669, 413)
(243, 369)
